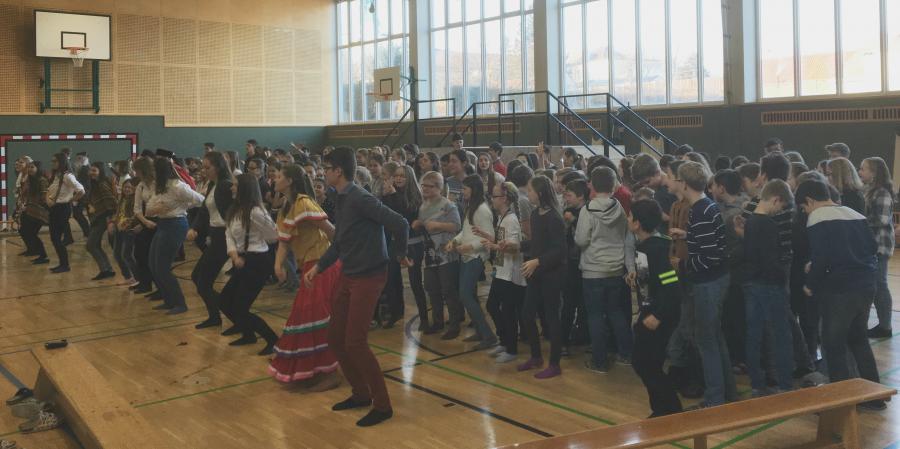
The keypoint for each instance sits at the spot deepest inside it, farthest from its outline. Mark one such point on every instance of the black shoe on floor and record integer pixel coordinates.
(375, 417)
(350, 403)
(268, 350)
(40, 261)
(140, 289)
(27, 253)
(104, 275)
(233, 330)
(163, 307)
(154, 292)
(451, 333)
(155, 296)
(59, 269)
(879, 332)
(243, 341)
(209, 323)
(434, 328)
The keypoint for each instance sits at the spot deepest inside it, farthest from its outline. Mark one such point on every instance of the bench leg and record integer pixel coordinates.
(843, 422)
(700, 442)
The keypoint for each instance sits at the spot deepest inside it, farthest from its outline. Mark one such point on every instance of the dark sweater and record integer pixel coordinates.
(854, 200)
(663, 295)
(705, 243)
(785, 221)
(102, 199)
(842, 251)
(398, 204)
(548, 242)
(359, 233)
(762, 263)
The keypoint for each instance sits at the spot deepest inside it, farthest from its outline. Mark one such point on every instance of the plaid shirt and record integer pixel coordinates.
(880, 215)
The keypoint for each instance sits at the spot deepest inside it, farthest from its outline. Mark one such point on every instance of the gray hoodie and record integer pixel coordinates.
(601, 236)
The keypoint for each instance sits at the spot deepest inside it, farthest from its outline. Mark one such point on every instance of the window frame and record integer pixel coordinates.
(838, 56)
(375, 41)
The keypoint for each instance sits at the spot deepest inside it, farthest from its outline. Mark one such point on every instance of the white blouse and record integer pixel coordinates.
(484, 220)
(178, 198)
(215, 217)
(142, 194)
(262, 232)
(61, 193)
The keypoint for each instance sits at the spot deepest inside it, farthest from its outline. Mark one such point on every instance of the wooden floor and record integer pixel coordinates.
(201, 393)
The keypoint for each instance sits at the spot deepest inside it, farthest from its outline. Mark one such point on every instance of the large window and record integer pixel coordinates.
(644, 52)
(479, 49)
(837, 47)
(371, 34)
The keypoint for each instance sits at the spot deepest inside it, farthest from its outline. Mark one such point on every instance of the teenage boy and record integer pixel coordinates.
(765, 283)
(726, 190)
(456, 142)
(841, 275)
(375, 165)
(646, 172)
(707, 272)
(359, 243)
(660, 294)
(495, 150)
(601, 236)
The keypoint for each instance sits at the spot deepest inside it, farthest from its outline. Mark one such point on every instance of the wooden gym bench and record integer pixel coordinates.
(835, 403)
(97, 415)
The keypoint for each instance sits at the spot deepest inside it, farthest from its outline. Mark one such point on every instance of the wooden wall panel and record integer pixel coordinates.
(137, 39)
(138, 89)
(279, 97)
(215, 43)
(247, 45)
(179, 38)
(180, 95)
(248, 90)
(214, 96)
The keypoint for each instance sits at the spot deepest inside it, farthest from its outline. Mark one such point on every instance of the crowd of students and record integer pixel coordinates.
(764, 268)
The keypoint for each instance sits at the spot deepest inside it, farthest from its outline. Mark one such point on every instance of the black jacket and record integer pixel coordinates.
(223, 199)
(663, 294)
(359, 242)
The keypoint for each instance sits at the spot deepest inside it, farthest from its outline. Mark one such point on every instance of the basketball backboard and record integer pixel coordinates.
(388, 84)
(56, 32)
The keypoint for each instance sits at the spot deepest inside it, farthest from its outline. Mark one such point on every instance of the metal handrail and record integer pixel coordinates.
(396, 125)
(453, 126)
(415, 105)
(656, 130)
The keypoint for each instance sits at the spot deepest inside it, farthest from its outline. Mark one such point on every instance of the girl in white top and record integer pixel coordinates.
(64, 189)
(169, 203)
(508, 288)
(249, 232)
(474, 254)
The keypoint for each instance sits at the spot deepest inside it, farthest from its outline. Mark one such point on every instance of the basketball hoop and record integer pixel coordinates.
(77, 54)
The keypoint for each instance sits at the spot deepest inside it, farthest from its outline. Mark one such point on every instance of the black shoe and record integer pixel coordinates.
(60, 269)
(375, 417)
(68, 241)
(27, 253)
(692, 391)
(268, 350)
(40, 261)
(243, 341)
(164, 306)
(879, 332)
(104, 275)
(423, 325)
(209, 323)
(451, 333)
(389, 324)
(141, 289)
(350, 403)
(435, 328)
(233, 330)
(155, 296)
(154, 292)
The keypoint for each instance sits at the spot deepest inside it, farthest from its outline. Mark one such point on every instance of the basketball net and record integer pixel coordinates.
(77, 54)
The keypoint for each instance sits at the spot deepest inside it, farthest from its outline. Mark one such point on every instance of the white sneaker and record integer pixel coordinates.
(496, 351)
(505, 357)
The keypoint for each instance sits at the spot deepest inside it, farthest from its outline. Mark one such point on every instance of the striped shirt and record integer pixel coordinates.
(705, 242)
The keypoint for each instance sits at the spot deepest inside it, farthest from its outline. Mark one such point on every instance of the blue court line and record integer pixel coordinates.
(11, 377)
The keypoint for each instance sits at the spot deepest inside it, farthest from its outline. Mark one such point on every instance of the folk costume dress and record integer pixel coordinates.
(302, 351)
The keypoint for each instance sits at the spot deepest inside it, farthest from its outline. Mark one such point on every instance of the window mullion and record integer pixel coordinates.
(638, 89)
(668, 8)
(796, 6)
(884, 46)
(838, 49)
(610, 50)
(700, 50)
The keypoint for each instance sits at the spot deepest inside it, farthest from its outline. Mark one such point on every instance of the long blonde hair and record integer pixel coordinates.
(843, 175)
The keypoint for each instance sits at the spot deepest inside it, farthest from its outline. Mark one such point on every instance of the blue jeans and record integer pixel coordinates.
(767, 306)
(603, 301)
(883, 300)
(468, 294)
(170, 234)
(709, 298)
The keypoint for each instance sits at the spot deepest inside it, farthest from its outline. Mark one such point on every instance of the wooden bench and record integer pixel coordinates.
(835, 403)
(99, 418)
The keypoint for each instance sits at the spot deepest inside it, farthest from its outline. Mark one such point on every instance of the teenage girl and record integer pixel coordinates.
(302, 352)
(35, 214)
(144, 173)
(101, 206)
(544, 270)
(126, 228)
(248, 232)
(403, 195)
(209, 221)
(63, 189)
(170, 201)
(508, 287)
(474, 254)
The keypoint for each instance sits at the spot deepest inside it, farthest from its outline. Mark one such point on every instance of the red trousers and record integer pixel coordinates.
(348, 336)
